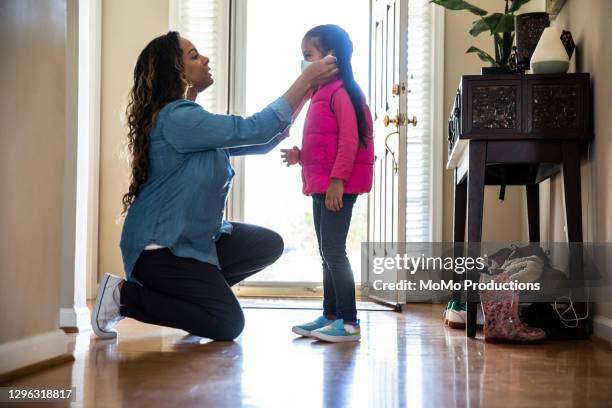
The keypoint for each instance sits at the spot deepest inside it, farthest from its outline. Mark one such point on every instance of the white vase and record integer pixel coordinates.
(550, 56)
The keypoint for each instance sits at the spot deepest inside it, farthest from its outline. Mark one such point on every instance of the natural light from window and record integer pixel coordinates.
(273, 192)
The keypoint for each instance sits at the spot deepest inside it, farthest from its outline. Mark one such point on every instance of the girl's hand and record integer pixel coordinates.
(333, 196)
(290, 156)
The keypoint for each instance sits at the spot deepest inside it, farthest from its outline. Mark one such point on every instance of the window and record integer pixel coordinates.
(206, 24)
(424, 177)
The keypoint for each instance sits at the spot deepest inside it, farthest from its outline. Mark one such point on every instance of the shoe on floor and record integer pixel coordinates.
(305, 329)
(455, 315)
(106, 315)
(338, 332)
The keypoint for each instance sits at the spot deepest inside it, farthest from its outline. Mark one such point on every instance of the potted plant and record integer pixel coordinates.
(499, 25)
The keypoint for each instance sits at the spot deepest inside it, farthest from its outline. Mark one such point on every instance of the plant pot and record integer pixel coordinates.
(529, 29)
(495, 71)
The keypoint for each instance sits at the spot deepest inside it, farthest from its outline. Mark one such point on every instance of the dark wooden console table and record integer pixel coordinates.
(516, 130)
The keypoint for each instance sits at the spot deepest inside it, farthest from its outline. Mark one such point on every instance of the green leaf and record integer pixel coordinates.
(460, 5)
(495, 23)
(517, 4)
(484, 56)
(479, 26)
(505, 24)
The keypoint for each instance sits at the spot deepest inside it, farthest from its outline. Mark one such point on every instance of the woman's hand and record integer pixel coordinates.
(318, 73)
(290, 156)
(321, 72)
(333, 195)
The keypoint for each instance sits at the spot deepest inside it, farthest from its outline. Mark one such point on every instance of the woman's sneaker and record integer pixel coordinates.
(305, 329)
(338, 332)
(106, 314)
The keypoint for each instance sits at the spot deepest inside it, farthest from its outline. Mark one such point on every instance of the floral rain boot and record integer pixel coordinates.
(502, 322)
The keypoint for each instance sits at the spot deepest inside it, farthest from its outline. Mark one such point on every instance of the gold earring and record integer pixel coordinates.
(189, 86)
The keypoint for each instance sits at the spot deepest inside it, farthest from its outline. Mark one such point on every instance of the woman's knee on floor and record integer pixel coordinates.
(224, 326)
(231, 325)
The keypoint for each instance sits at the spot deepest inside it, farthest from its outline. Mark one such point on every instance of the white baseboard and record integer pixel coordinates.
(17, 354)
(75, 317)
(602, 327)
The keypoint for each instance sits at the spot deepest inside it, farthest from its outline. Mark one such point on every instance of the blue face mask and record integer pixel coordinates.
(305, 64)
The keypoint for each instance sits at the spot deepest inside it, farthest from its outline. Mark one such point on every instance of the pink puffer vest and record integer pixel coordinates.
(320, 146)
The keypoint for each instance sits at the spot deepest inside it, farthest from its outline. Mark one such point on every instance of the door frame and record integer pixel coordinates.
(81, 170)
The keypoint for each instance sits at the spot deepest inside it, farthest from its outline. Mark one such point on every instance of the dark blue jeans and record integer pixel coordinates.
(338, 282)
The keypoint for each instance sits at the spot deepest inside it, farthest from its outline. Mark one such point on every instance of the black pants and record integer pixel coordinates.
(187, 294)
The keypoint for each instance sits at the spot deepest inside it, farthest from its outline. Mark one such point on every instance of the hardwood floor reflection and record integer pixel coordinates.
(406, 359)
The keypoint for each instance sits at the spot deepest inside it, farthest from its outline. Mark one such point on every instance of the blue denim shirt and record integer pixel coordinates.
(181, 204)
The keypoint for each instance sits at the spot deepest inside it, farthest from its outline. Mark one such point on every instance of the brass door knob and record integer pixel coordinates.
(395, 120)
(399, 120)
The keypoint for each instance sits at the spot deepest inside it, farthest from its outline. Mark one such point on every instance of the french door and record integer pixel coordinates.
(388, 101)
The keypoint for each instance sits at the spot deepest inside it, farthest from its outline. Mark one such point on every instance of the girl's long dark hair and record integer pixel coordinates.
(158, 79)
(331, 37)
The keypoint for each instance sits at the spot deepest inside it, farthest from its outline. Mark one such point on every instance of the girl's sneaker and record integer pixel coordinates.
(455, 315)
(338, 332)
(307, 328)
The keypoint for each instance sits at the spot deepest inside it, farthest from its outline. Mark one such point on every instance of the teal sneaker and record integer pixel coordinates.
(305, 329)
(338, 332)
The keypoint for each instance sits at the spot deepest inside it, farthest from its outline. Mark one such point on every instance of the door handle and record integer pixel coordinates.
(396, 120)
(395, 165)
(399, 120)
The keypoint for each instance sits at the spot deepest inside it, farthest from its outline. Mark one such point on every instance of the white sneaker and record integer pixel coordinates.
(455, 315)
(106, 315)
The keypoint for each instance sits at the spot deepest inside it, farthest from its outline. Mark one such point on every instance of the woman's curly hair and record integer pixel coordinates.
(158, 79)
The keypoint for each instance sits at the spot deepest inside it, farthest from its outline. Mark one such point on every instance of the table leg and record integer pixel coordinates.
(475, 204)
(459, 213)
(533, 211)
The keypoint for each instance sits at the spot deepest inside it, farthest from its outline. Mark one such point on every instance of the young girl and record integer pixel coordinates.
(337, 159)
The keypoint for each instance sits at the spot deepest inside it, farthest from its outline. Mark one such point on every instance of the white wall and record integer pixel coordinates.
(32, 141)
(589, 21)
(127, 27)
(502, 221)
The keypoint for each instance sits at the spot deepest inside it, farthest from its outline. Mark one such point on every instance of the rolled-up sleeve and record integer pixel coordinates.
(282, 109)
(190, 128)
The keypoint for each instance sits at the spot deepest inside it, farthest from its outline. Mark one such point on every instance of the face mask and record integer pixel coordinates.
(305, 64)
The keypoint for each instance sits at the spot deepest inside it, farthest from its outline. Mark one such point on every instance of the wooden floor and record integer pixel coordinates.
(406, 359)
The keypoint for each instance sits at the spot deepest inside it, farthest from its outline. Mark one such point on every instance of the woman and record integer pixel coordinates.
(180, 256)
